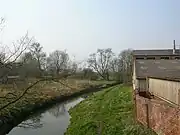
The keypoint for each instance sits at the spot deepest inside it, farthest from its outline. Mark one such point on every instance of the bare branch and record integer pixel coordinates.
(9, 61)
(2, 23)
(100, 62)
(57, 61)
(31, 86)
(19, 48)
(9, 94)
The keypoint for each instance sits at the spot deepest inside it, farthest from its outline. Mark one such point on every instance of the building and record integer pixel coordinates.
(158, 63)
(154, 68)
(157, 54)
(157, 73)
(160, 113)
(158, 108)
(9, 71)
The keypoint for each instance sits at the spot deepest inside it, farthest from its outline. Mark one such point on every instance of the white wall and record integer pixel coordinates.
(135, 82)
(169, 90)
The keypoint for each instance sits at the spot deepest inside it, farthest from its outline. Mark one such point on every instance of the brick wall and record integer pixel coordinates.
(159, 115)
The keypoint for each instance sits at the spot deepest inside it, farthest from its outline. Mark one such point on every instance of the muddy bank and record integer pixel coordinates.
(7, 123)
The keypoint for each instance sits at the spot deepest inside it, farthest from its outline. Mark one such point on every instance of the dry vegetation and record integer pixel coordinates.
(40, 92)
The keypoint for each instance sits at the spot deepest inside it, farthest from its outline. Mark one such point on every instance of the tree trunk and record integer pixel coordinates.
(107, 76)
(57, 72)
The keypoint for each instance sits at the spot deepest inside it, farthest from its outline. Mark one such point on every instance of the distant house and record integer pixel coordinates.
(158, 63)
(9, 72)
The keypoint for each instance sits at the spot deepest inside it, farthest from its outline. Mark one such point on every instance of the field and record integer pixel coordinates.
(108, 112)
(40, 92)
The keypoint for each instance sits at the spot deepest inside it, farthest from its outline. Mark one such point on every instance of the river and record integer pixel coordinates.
(53, 121)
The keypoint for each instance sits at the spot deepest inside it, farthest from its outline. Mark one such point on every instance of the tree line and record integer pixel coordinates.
(103, 64)
(110, 66)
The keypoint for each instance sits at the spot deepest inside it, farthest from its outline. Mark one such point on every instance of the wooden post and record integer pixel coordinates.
(76, 84)
(178, 96)
(147, 83)
(147, 112)
(135, 105)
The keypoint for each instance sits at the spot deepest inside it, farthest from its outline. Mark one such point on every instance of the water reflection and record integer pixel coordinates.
(56, 111)
(34, 122)
(53, 121)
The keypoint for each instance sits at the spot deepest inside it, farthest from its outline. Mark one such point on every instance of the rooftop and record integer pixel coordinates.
(158, 68)
(167, 78)
(162, 52)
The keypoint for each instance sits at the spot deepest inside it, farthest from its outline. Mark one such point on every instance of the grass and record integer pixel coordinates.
(109, 112)
(41, 92)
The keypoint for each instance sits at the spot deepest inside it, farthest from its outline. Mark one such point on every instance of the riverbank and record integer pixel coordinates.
(15, 117)
(53, 120)
(40, 92)
(108, 112)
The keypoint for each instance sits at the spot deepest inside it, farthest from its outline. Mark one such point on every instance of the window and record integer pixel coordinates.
(177, 57)
(150, 58)
(144, 68)
(165, 58)
(141, 62)
(139, 58)
(160, 67)
(157, 62)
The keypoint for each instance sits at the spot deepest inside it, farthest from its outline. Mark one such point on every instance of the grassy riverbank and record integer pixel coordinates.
(39, 93)
(109, 112)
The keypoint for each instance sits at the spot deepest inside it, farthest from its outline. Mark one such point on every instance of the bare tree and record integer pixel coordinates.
(10, 57)
(18, 48)
(39, 55)
(72, 66)
(30, 67)
(2, 23)
(126, 59)
(57, 61)
(26, 57)
(100, 62)
(115, 65)
(2, 56)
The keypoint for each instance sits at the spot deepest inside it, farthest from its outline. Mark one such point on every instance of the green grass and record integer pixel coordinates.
(109, 112)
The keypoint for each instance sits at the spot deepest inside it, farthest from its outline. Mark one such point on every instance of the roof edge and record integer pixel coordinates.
(165, 78)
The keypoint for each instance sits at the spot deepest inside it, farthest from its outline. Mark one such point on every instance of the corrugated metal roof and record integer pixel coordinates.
(158, 68)
(165, 52)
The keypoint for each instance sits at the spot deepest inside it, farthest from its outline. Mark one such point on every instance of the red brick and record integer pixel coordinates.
(162, 117)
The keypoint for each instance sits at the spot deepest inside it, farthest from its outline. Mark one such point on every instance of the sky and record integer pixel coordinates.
(83, 26)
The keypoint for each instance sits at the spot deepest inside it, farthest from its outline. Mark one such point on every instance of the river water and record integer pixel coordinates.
(53, 121)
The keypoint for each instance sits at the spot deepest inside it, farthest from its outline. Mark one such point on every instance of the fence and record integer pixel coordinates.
(158, 115)
(168, 90)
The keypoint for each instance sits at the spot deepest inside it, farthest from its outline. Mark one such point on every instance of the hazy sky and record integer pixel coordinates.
(82, 26)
